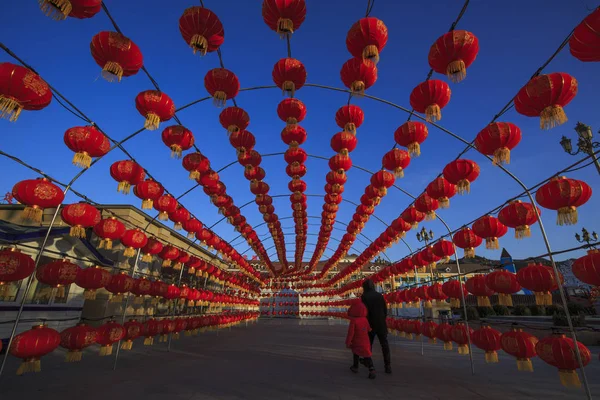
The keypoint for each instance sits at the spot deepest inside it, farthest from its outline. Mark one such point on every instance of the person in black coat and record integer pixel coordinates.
(376, 314)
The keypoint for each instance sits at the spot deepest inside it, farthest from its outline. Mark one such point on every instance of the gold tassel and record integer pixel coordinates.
(176, 151)
(77, 231)
(469, 252)
(454, 303)
(60, 292)
(284, 26)
(166, 263)
(569, 378)
(147, 204)
(524, 364)
(148, 341)
(433, 113)
(430, 216)
(288, 88)
(105, 350)
(409, 336)
(358, 88)
(444, 202)
(522, 232)
(82, 160)
(129, 252)
(414, 149)
(147, 258)
(547, 299)
(463, 349)
(124, 187)
(501, 156)
(491, 357)
(163, 216)
(9, 109)
(371, 52)
(33, 213)
(552, 116)
(350, 127)
(463, 186)
(73, 356)
(428, 304)
(402, 334)
(152, 121)
(219, 98)
(127, 345)
(116, 298)
(29, 365)
(177, 266)
(89, 294)
(432, 340)
(112, 71)
(567, 216)
(194, 175)
(199, 44)
(176, 336)
(187, 333)
(191, 235)
(138, 300)
(447, 346)
(483, 301)
(456, 71)
(58, 10)
(505, 299)
(492, 243)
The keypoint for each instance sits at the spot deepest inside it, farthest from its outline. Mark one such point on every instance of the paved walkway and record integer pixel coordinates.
(282, 360)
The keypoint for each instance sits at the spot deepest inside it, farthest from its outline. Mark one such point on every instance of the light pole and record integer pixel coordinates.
(584, 143)
(425, 236)
(586, 237)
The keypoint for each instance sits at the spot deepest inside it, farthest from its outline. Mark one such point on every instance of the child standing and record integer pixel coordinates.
(358, 337)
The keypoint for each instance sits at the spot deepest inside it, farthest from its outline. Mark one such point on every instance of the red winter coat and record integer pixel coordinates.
(358, 331)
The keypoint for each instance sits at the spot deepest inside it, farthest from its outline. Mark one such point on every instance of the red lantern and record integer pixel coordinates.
(340, 163)
(222, 85)
(178, 138)
(505, 283)
(192, 226)
(250, 159)
(156, 107)
(14, 266)
(564, 195)
(410, 135)
(467, 240)
(477, 286)
(343, 142)
(108, 334)
(196, 164)
(148, 190)
(168, 254)
(37, 195)
(444, 333)
(349, 117)
(441, 190)
(488, 340)
(545, 96)
(117, 55)
(133, 239)
(57, 274)
(520, 216)
(293, 135)
(396, 160)
(412, 216)
(179, 216)
(559, 351)
(461, 335)
(443, 249)
(586, 268)
(80, 216)
(521, 345)
(165, 205)
(289, 75)
(61, 9)
(358, 75)
(75, 339)
(151, 328)
(291, 111)
(461, 173)
(92, 279)
(119, 284)
(436, 292)
(497, 140)
(452, 289)
(151, 248)
(32, 345)
(453, 53)
(133, 330)
(127, 173)
(21, 89)
(234, 119)
(284, 16)
(242, 140)
(182, 259)
(490, 228)
(201, 29)
(366, 38)
(109, 229)
(541, 280)
(87, 142)
(427, 205)
(429, 98)
(585, 43)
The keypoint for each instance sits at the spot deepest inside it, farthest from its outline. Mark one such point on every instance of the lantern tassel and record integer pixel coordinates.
(147, 204)
(288, 88)
(414, 149)
(199, 44)
(194, 175)
(524, 364)
(350, 127)
(455, 303)
(469, 252)
(430, 216)
(552, 116)
(522, 232)
(163, 216)
(124, 187)
(219, 98)
(177, 266)
(285, 26)
(432, 340)
(9, 109)
(433, 113)
(447, 346)
(501, 156)
(491, 357)
(492, 243)
(152, 121)
(138, 300)
(567, 216)
(463, 349)
(129, 252)
(116, 298)
(58, 10)
(569, 378)
(505, 299)
(73, 356)
(176, 151)
(428, 304)
(148, 341)
(112, 72)
(77, 231)
(409, 336)
(371, 53)
(147, 258)
(33, 213)
(463, 187)
(177, 226)
(82, 160)
(547, 299)
(29, 365)
(358, 88)
(456, 71)
(483, 301)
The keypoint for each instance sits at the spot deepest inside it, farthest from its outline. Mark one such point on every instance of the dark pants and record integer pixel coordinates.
(367, 361)
(385, 346)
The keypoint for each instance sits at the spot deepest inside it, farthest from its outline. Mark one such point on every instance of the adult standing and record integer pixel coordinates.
(376, 314)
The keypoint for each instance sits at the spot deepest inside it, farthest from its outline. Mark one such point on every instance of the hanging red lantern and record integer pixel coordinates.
(382, 180)
(133, 239)
(191, 226)
(148, 190)
(343, 142)
(477, 286)
(250, 159)
(441, 190)
(519, 216)
(461, 335)
(295, 155)
(108, 334)
(222, 85)
(242, 140)
(251, 174)
(291, 111)
(505, 283)
(182, 259)
(366, 38)
(293, 135)
(444, 333)
(401, 226)
(77, 338)
(56, 274)
(429, 98)
(396, 160)
(541, 280)
(128, 173)
(436, 292)
(412, 216)
(234, 119)
(87, 142)
(497, 140)
(119, 284)
(452, 53)
(427, 205)
(358, 75)
(289, 75)
(467, 240)
(259, 188)
(443, 249)
(521, 345)
(156, 107)
(80, 216)
(461, 173)
(178, 138)
(117, 55)
(452, 289)
(196, 164)
(92, 279)
(564, 195)
(490, 229)
(32, 345)
(284, 16)
(59, 10)
(297, 186)
(37, 195)
(584, 44)
(151, 328)
(14, 266)
(151, 248)
(340, 163)
(586, 268)
(179, 216)
(209, 179)
(165, 205)
(545, 96)
(349, 118)
(488, 340)
(169, 254)
(559, 351)
(201, 29)
(21, 89)
(133, 329)
(108, 230)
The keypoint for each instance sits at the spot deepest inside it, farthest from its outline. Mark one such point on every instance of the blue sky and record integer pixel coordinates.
(515, 38)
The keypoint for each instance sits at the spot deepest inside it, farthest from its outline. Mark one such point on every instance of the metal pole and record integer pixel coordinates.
(174, 308)
(420, 313)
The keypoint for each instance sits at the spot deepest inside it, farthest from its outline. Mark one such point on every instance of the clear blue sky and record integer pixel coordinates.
(515, 37)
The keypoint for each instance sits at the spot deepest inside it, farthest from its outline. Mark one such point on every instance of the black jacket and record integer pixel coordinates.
(376, 307)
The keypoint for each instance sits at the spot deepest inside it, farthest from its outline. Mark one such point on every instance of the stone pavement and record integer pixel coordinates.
(278, 359)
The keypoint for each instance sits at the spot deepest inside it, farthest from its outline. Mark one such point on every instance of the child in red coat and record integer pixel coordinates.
(358, 337)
